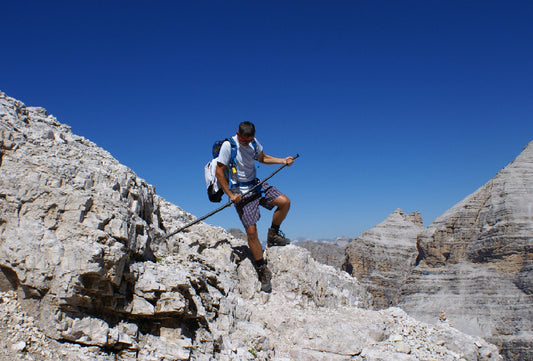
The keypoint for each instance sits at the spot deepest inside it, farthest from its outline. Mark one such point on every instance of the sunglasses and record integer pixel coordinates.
(244, 140)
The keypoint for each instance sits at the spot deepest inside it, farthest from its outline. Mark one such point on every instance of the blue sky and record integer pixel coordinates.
(390, 104)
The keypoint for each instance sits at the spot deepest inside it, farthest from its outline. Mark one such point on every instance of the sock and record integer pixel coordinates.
(260, 262)
(275, 227)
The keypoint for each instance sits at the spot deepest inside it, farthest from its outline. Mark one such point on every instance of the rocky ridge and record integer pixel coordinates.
(86, 273)
(473, 266)
(383, 256)
(478, 256)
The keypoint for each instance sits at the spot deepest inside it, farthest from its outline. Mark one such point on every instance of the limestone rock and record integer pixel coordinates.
(79, 233)
(383, 256)
(472, 267)
(475, 263)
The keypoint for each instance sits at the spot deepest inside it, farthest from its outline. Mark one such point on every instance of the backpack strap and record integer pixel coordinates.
(232, 166)
(254, 144)
(233, 150)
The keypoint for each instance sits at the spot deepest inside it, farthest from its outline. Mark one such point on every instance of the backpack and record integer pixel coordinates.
(214, 191)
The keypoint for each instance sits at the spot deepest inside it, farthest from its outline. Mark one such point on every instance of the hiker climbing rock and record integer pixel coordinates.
(237, 158)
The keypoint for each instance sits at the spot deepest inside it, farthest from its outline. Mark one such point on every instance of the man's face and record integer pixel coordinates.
(244, 140)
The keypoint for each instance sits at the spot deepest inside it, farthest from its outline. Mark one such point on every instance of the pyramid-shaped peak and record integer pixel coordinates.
(525, 158)
(399, 216)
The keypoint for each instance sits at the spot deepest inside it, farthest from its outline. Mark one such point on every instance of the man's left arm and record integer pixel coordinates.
(268, 159)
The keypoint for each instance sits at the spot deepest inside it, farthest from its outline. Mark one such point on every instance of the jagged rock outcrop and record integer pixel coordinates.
(475, 263)
(473, 266)
(84, 262)
(77, 238)
(383, 256)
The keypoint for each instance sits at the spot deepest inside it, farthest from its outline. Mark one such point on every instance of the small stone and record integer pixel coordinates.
(403, 347)
(395, 337)
(18, 346)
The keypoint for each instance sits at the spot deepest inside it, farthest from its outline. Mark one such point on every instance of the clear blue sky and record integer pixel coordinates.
(391, 104)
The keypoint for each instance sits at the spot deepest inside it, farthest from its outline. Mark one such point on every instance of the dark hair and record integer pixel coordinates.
(246, 129)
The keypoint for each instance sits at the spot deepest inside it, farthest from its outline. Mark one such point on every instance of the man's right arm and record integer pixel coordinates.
(221, 177)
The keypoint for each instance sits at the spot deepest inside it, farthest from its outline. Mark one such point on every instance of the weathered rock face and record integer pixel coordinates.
(383, 256)
(81, 245)
(472, 266)
(475, 263)
(77, 238)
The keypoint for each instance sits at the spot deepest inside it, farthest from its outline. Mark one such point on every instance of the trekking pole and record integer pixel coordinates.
(198, 220)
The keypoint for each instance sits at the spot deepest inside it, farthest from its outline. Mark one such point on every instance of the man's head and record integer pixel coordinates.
(246, 133)
(246, 130)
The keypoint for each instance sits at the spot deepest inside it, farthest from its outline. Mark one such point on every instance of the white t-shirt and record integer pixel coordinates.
(245, 160)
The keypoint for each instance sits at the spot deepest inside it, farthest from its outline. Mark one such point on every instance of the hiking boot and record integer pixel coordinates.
(264, 276)
(276, 238)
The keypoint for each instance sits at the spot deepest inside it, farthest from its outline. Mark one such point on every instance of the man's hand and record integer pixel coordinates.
(289, 161)
(235, 198)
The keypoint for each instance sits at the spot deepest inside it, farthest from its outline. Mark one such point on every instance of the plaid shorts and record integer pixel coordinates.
(248, 208)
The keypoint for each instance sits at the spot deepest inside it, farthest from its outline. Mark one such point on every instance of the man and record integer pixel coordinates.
(244, 178)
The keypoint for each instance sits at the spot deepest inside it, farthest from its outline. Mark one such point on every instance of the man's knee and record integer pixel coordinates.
(251, 231)
(283, 201)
